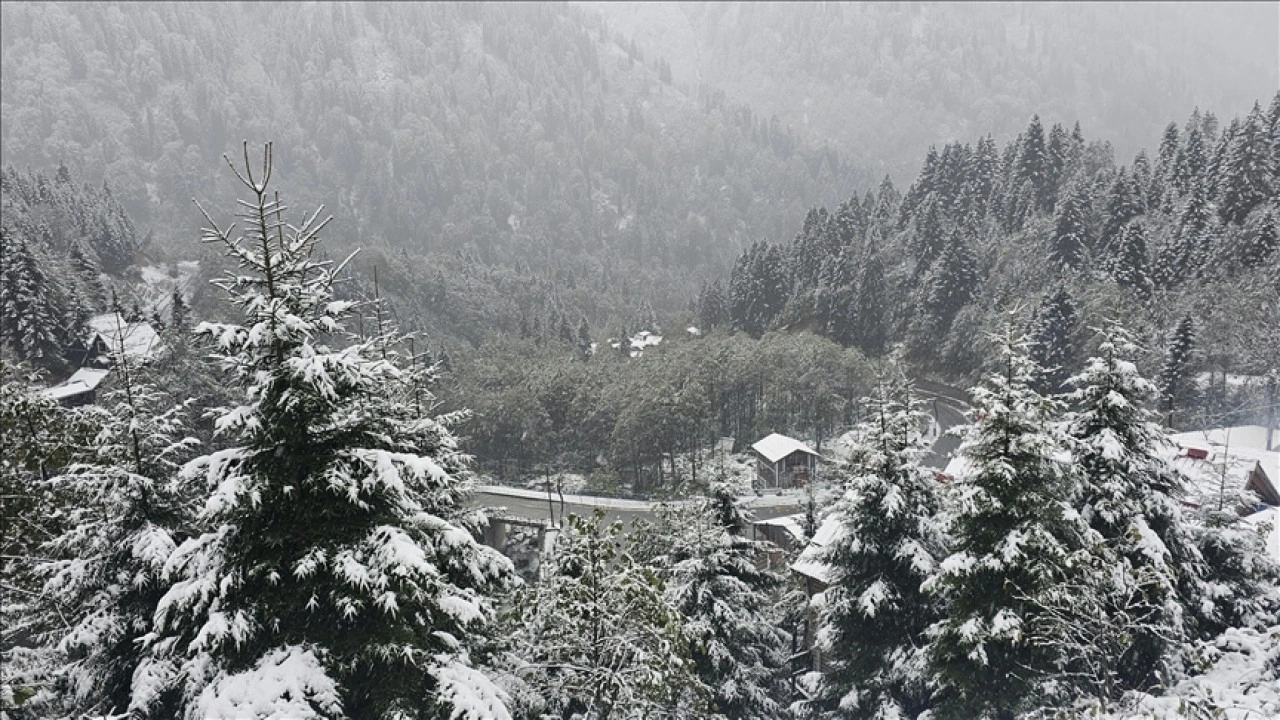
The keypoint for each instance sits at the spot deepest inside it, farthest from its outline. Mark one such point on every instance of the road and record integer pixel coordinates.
(517, 503)
(506, 502)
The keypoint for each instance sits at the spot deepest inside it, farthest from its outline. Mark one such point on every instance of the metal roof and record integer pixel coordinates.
(775, 447)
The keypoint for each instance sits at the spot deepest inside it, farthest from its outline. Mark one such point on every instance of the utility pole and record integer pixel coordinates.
(1271, 407)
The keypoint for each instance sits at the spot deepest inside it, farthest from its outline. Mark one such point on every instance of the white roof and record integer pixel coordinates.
(84, 380)
(1240, 446)
(644, 339)
(140, 339)
(958, 468)
(791, 523)
(808, 564)
(1210, 477)
(1269, 517)
(1240, 436)
(775, 447)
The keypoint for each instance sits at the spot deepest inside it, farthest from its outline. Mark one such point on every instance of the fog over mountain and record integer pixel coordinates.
(883, 81)
(621, 361)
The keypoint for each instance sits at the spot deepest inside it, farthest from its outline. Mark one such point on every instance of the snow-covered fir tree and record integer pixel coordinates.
(30, 303)
(1177, 364)
(122, 516)
(874, 615)
(1131, 497)
(1053, 334)
(335, 574)
(596, 638)
(727, 605)
(1070, 229)
(1015, 540)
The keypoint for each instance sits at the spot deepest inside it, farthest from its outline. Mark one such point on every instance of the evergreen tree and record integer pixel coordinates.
(930, 234)
(1122, 206)
(123, 517)
(1034, 166)
(33, 319)
(757, 288)
(178, 312)
(888, 202)
(336, 574)
(874, 615)
(1166, 160)
(1246, 176)
(1070, 229)
(984, 166)
(1053, 339)
(712, 311)
(725, 601)
(1131, 498)
(596, 637)
(871, 320)
(1015, 541)
(584, 338)
(1189, 168)
(1261, 239)
(1177, 363)
(1129, 264)
(954, 282)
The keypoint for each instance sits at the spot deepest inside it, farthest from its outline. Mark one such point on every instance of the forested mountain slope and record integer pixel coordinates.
(513, 157)
(1180, 244)
(885, 80)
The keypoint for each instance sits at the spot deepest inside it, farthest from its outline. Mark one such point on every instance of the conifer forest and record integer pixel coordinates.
(622, 360)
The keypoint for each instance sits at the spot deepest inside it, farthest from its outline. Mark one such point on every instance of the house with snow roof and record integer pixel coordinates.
(79, 389)
(110, 333)
(784, 462)
(1231, 460)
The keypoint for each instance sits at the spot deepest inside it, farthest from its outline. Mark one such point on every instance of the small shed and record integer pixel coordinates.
(784, 462)
(79, 389)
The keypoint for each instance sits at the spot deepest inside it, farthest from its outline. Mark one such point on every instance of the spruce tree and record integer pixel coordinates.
(1015, 543)
(1130, 265)
(1053, 338)
(1189, 166)
(336, 574)
(1261, 238)
(123, 516)
(1122, 206)
(1246, 175)
(873, 616)
(1132, 498)
(954, 282)
(33, 319)
(1177, 364)
(596, 637)
(726, 602)
(1070, 229)
(1034, 166)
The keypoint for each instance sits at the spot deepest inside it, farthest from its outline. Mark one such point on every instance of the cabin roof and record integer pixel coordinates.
(775, 447)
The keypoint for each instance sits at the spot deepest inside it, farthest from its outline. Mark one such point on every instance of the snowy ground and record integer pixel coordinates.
(1238, 678)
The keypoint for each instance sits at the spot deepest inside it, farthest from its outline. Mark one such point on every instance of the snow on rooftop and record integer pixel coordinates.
(776, 446)
(1241, 436)
(808, 564)
(83, 381)
(140, 339)
(1207, 478)
(1245, 441)
(644, 339)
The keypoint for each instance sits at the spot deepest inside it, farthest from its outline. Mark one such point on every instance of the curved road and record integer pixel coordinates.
(533, 505)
